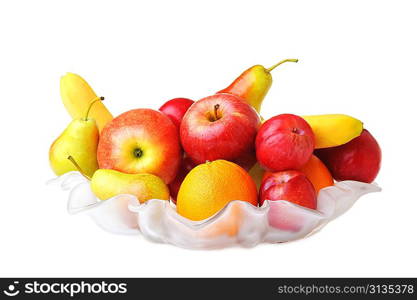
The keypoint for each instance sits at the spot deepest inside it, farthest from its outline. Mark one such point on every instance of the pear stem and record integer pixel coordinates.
(216, 108)
(281, 62)
(91, 105)
(77, 166)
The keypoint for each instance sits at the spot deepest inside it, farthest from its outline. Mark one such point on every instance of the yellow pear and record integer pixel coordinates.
(253, 84)
(76, 95)
(107, 183)
(257, 173)
(79, 140)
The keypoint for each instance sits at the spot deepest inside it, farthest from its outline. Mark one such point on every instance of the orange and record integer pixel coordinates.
(317, 172)
(211, 186)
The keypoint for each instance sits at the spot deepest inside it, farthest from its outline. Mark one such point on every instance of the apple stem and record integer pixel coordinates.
(77, 166)
(216, 108)
(91, 105)
(281, 62)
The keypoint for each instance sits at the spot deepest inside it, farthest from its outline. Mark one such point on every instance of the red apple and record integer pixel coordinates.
(246, 160)
(284, 142)
(221, 126)
(359, 159)
(292, 186)
(186, 166)
(176, 108)
(140, 141)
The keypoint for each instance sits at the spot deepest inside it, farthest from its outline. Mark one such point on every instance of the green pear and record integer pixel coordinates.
(107, 183)
(79, 140)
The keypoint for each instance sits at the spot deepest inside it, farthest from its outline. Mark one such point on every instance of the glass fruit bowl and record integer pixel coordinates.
(237, 224)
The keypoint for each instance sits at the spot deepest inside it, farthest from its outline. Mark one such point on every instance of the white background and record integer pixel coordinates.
(356, 57)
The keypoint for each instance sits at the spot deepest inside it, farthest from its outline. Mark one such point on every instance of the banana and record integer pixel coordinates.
(334, 130)
(77, 94)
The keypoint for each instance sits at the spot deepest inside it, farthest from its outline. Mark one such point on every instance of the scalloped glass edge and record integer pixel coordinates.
(237, 224)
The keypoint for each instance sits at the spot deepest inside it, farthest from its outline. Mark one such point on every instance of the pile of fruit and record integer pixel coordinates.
(203, 154)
